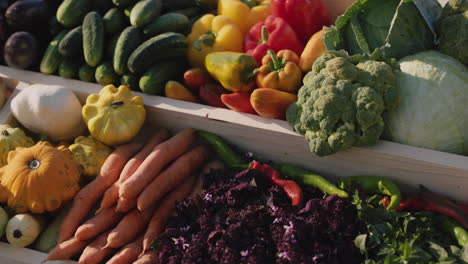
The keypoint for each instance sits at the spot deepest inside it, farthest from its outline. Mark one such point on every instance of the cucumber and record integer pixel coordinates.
(93, 38)
(52, 57)
(128, 11)
(47, 240)
(128, 41)
(162, 46)
(69, 68)
(86, 73)
(155, 78)
(105, 74)
(102, 6)
(110, 47)
(170, 22)
(70, 13)
(144, 12)
(178, 4)
(114, 21)
(72, 44)
(54, 26)
(124, 3)
(189, 12)
(131, 81)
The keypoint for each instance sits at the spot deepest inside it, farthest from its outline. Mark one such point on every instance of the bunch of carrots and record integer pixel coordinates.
(138, 187)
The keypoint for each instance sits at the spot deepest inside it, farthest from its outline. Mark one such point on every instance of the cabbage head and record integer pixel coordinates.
(433, 111)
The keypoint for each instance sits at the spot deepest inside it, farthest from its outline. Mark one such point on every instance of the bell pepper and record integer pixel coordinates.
(211, 34)
(274, 33)
(245, 13)
(305, 16)
(235, 71)
(280, 72)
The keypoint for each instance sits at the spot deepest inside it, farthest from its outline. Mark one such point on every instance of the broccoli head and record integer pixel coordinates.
(342, 101)
(453, 30)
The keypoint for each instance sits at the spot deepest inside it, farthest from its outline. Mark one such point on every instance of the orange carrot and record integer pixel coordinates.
(104, 220)
(112, 194)
(128, 228)
(125, 204)
(174, 175)
(159, 157)
(129, 253)
(150, 257)
(163, 212)
(67, 249)
(88, 196)
(96, 252)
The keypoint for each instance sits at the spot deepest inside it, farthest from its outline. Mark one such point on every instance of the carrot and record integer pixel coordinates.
(174, 175)
(126, 204)
(96, 251)
(129, 227)
(104, 220)
(156, 160)
(67, 249)
(129, 253)
(150, 257)
(87, 196)
(163, 212)
(112, 194)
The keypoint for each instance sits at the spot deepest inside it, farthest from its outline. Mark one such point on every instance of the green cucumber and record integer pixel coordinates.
(170, 22)
(128, 41)
(124, 3)
(93, 38)
(52, 57)
(47, 240)
(114, 21)
(178, 4)
(86, 73)
(70, 13)
(105, 74)
(128, 11)
(131, 81)
(102, 6)
(110, 47)
(189, 12)
(54, 26)
(69, 68)
(72, 44)
(163, 46)
(156, 77)
(144, 12)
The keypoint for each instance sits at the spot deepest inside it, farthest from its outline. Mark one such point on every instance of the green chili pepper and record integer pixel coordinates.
(456, 231)
(230, 158)
(308, 178)
(375, 184)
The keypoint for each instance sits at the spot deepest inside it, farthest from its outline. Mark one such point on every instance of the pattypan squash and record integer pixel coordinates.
(90, 154)
(10, 138)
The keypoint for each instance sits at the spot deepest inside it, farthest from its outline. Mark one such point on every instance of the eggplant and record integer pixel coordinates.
(30, 15)
(21, 50)
(4, 4)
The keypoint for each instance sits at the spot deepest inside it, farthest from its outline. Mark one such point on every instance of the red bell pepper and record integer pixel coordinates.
(292, 190)
(305, 16)
(274, 33)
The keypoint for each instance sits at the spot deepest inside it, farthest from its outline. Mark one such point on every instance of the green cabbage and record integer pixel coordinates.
(433, 111)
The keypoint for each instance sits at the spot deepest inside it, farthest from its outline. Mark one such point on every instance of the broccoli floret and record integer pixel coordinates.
(453, 30)
(342, 102)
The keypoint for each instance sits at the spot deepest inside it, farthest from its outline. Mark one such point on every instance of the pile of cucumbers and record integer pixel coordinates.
(141, 44)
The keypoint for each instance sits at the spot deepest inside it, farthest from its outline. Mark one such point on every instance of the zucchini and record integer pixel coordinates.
(114, 21)
(69, 69)
(170, 22)
(86, 73)
(110, 47)
(72, 44)
(144, 12)
(93, 38)
(128, 41)
(52, 57)
(156, 77)
(162, 46)
(70, 13)
(169, 5)
(105, 74)
(48, 238)
(131, 81)
(124, 3)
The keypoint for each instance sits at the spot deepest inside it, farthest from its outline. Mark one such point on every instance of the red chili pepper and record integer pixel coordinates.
(305, 16)
(274, 33)
(292, 190)
(464, 208)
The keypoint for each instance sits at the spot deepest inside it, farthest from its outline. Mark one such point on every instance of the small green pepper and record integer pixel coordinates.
(456, 231)
(375, 184)
(230, 158)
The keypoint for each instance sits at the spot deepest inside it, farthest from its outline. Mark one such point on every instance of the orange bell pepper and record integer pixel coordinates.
(245, 13)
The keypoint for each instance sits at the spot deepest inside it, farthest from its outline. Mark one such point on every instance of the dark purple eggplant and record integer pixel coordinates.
(28, 15)
(21, 50)
(3, 31)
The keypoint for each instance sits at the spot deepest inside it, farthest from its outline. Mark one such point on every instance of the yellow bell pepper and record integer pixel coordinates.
(212, 34)
(245, 13)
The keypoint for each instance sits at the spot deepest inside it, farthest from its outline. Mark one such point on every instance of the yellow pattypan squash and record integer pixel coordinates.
(115, 115)
(39, 178)
(10, 138)
(90, 154)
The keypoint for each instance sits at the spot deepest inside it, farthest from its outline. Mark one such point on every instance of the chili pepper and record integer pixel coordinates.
(464, 208)
(292, 190)
(280, 71)
(311, 179)
(273, 33)
(425, 200)
(305, 16)
(375, 184)
(456, 231)
(245, 13)
(230, 158)
(239, 102)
